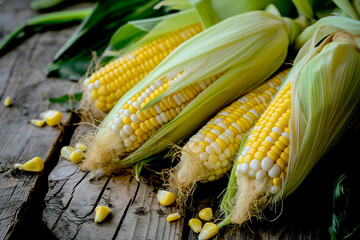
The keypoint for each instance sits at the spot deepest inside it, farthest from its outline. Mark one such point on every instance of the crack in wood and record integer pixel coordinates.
(131, 201)
(11, 72)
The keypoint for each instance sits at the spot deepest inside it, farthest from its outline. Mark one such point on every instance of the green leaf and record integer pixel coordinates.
(72, 102)
(94, 34)
(41, 23)
(50, 5)
(213, 11)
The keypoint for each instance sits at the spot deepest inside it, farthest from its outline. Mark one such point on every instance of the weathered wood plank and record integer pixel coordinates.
(136, 213)
(22, 78)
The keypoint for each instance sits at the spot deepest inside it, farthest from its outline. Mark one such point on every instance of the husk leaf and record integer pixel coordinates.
(237, 47)
(325, 83)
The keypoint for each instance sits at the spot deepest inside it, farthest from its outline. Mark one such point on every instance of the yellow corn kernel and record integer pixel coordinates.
(195, 224)
(209, 230)
(165, 198)
(65, 151)
(206, 214)
(7, 101)
(173, 217)
(35, 164)
(52, 117)
(101, 212)
(37, 122)
(81, 146)
(76, 156)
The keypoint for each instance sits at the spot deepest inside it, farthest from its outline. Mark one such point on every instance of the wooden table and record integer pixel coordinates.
(59, 202)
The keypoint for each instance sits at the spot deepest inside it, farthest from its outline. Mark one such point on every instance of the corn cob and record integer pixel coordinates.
(213, 148)
(107, 85)
(266, 153)
(202, 75)
(308, 116)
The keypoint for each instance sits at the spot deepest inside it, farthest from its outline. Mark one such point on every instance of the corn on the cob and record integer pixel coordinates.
(135, 126)
(202, 75)
(310, 113)
(209, 154)
(107, 85)
(266, 152)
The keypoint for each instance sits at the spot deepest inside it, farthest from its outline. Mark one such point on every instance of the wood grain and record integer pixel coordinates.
(22, 78)
(136, 213)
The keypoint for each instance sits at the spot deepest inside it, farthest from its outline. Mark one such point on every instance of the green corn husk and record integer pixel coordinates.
(247, 48)
(325, 95)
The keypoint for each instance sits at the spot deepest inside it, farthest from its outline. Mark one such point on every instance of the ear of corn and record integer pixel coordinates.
(196, 71)
(107, 85)
(209, 154)
(309, 114)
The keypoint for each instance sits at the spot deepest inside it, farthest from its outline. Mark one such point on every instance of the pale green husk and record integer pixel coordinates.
(325, 83)
(248, 47)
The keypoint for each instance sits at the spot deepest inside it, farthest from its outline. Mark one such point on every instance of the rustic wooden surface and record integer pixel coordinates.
(59, 203)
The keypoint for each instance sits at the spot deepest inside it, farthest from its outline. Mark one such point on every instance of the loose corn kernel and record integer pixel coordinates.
(81, 146)
(101, 212)
(165, 198)
(37, 122)
(52, 117)
(35, 164)
(7, 101)
(76, 156)
(65, 151)
(206, 214)
(209, 230)
(195, 224)
(173, 217)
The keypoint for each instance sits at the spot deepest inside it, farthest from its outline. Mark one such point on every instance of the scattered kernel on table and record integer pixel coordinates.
(35, 164)
(101, 212)
(209, 230)
(195, 224)
(76, 156)
(81, 146)
(7, 101)
(172, 217)
(165, 197)
(206, 214)
(65, 151)
(37, 122)
(52, 117)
